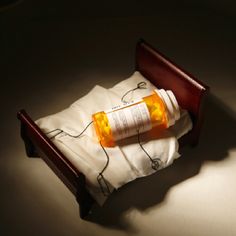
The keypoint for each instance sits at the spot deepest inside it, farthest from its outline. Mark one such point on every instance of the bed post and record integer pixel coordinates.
(83, 198)
(29, 146)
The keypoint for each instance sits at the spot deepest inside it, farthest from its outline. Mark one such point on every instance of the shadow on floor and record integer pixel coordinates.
(150, 191)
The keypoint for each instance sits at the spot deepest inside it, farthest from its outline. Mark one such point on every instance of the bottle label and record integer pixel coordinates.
(128, 120)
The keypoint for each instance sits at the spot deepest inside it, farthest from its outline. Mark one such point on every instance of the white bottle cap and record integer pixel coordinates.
(171, 104)
(174, 103)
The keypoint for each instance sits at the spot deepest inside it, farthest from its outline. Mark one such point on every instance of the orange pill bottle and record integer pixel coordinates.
(158, 109)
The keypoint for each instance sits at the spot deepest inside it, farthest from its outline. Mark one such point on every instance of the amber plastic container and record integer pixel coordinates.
(158, 109)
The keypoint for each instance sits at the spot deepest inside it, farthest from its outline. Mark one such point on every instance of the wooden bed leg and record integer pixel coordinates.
(29, 147)
(83, 198)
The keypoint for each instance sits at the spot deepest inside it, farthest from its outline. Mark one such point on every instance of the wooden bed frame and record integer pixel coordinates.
(163, 73)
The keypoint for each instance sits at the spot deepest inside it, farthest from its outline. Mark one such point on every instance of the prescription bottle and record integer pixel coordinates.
(158, 109)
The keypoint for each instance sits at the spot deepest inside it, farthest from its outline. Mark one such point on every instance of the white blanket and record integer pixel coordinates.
(127, 161)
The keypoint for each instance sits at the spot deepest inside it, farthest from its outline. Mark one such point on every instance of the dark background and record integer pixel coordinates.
(53, 52)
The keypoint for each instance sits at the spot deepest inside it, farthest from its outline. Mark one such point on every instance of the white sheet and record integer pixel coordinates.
(127, 160)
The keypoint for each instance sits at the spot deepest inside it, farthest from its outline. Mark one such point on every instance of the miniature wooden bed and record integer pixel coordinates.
(163, 73)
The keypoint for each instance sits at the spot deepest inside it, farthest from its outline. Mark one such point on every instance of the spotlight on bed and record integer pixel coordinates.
(73, 155)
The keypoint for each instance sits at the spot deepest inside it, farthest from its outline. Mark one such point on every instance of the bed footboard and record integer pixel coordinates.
(37, 144)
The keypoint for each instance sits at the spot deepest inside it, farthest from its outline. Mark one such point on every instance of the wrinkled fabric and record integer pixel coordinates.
(127, 161)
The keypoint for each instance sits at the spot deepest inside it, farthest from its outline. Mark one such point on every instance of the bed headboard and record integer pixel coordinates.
(163, 73)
